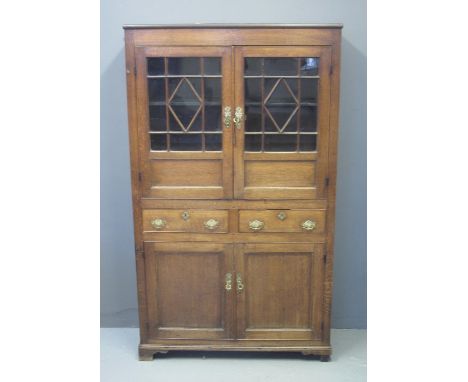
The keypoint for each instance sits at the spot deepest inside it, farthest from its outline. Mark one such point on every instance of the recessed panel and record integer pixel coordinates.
(200, 173)
(279, 174)
(188, 290)
(278, 290)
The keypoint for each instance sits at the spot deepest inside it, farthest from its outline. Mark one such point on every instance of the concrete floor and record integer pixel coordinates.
(119, 362)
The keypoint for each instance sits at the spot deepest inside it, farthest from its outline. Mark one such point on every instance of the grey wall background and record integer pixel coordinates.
(118, 281)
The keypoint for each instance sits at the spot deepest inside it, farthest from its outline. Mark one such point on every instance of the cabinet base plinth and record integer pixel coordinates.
(146, 354)
(148, 351)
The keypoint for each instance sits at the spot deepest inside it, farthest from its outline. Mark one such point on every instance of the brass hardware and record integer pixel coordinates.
(308, 225)
(228, 279)
(158, 223)
(227, 117)
(240, 285)
(212, 224)
(185, 215)
(256, 225)
(281, 216)
(238, 117)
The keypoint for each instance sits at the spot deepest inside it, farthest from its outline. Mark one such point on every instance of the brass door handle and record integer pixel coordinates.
(228, 280)
(239, 283)
(256, 225)
(238, 117)
(227, 117)
(211, 224)
(308, 225)
(158, 223)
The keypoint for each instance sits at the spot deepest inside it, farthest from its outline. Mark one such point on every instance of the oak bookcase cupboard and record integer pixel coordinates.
(233, 140)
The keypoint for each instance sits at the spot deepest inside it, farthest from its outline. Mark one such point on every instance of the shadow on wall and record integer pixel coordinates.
(350, 289)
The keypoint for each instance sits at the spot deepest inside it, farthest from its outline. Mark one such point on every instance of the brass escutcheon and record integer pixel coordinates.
(281, 216)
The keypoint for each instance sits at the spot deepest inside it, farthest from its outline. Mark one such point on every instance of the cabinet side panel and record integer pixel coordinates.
(331, 192)
(134, 158)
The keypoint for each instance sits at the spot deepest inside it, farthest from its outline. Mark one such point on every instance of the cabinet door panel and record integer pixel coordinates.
(282, 143)
(185, 148)
(282, 291)
(185, 291)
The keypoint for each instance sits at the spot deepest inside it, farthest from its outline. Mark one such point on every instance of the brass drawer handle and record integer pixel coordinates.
(308, 225)
(228, 279)
(211, 224)
(158, 223)
(240, 285)
(256, 225)
(238, 117)
(227, 117)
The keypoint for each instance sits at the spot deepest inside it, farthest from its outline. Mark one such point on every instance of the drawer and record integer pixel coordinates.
(282, 221)
(205, 221)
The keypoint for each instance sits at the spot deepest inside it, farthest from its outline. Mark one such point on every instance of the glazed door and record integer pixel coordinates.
(279, 291)
(189, 291)
(185, 148)
(282, 100)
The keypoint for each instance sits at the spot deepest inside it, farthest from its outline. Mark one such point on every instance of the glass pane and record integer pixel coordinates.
(213, 90)
(158, 142)
(253, 143)
(309, 88)
(155, 66)
(184, 90)
(280, 142)
(183, 118)
(283, 98)
(213, 142)
(184, 65)
(282, 93)
(157, 116)
(187, 102)
(309, 66)
(280, 118)
(308, 142)
(156, 90)
(212, 118)
(309, 118)
(253, 66)
(212, 65)
(186, 142)
(253, 90)
(253, 121)
(281, 67)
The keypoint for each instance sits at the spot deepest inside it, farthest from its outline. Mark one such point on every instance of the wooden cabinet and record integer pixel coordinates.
(233, 139)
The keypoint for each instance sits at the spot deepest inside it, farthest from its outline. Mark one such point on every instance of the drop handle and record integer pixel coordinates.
(227, 117)
(308, 225)
(256, 225)
(228, 282)
(238, 117)
(211, 224)
(239, 283)
(158, 223)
